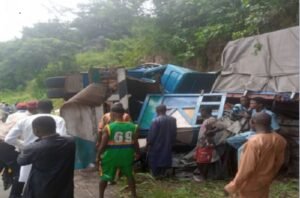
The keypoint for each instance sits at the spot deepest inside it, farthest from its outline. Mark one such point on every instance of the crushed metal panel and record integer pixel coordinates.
(185, 108)
(215, 101)
(92, 95)
(74, 83)
(180, 119)
(122, 87)
(81, 120)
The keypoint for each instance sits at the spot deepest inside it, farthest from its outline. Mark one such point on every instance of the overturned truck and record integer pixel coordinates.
(267, 66)
(91, 100)
(264, 65)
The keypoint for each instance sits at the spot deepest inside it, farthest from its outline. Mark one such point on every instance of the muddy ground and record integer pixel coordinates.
(86, 185)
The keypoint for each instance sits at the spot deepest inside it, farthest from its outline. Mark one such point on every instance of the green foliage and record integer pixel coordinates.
(52, 29)
(89, 59)
(66, 65)
(106, 19)
(193, 24)
(12, 96)
(23, 60)
(147, 187)
(120, 32)
(128, 51)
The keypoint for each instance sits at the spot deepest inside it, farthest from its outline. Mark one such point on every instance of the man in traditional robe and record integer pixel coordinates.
(160, 140)
(261, 159)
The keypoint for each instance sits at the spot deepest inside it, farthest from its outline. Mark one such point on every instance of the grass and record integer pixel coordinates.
(147, 187)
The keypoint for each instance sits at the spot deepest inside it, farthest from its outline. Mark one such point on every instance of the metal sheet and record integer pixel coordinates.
(185, 108)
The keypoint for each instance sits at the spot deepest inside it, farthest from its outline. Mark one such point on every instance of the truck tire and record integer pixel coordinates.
(55, 82)
(56, 93)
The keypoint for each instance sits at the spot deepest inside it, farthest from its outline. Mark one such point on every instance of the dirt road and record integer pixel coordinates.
(86, 186)
(3, 194)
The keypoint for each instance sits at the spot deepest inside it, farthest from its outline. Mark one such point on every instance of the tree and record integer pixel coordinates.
(22, 60)
(119, 32)
(102, 20)
(196, 25)
(52, 29)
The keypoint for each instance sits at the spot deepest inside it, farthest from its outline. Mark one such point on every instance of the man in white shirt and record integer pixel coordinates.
(22, 135)
(23, 110)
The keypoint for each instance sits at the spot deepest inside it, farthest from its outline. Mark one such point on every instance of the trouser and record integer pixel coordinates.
(16, 189)
(203, 168)
(238, 140)
(8, 157)
(239, 153)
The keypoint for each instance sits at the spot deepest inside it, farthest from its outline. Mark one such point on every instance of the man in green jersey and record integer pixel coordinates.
(117, 150)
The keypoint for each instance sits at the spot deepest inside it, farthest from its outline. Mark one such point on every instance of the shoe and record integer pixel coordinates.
(198, 178)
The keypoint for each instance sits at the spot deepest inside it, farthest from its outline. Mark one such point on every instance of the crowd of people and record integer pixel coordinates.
(40, 155)
(37, 152)
(260, 150)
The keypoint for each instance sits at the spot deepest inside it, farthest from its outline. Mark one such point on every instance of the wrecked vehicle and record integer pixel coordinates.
(88, 97)
(267, 66)
(185, 108)
(264, 66)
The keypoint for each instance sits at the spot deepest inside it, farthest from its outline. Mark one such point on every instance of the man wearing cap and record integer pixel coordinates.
(23, 110)
(117, 150)
(22, 135)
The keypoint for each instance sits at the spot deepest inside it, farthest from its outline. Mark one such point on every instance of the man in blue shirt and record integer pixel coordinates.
(256, 105)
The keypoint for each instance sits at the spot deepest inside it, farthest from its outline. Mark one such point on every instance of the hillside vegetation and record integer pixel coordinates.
(104, 33)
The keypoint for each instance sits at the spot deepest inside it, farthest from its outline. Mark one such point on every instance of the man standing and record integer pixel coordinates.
(106, 119)
(8, 155)
(261, 160)
(208, 121)
(52, 157)
(23, 128)
(23, 110)
(117, 150)
(160, 140)
(18, 115)
(21, 134)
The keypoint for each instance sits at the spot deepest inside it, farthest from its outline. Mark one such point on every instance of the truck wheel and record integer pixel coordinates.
(55, 82)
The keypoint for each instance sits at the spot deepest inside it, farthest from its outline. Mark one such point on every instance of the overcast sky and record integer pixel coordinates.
(16, 14)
